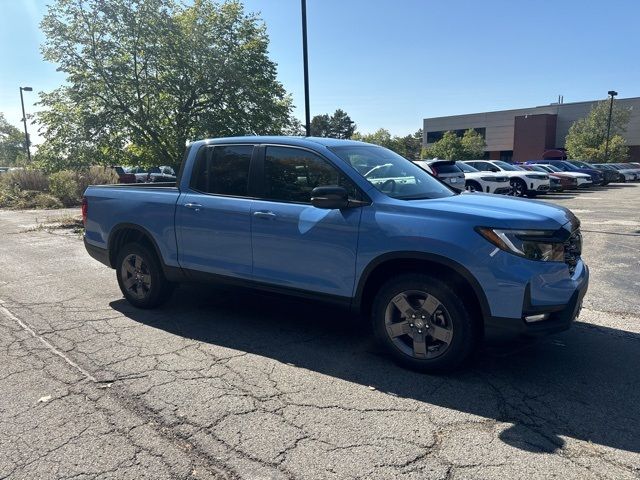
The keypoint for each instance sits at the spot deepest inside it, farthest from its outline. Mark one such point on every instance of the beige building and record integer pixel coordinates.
(526, 133)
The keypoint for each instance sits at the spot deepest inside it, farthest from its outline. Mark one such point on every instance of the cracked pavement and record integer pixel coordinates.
(225, 383)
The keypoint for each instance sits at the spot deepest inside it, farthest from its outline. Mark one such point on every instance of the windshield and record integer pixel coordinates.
(537, 168)
(506, 166)
(551, 168)
(392, 174)
(466, 167)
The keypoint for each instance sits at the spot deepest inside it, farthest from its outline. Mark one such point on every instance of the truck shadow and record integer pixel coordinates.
(581, 384)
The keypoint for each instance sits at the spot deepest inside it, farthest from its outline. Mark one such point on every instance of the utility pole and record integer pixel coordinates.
(305, 59)
(24, 119)
(612, 94)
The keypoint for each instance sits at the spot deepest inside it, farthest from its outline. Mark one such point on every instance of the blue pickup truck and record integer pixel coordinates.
(353, 224)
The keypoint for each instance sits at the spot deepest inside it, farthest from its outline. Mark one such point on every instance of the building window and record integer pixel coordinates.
(506, 155)
(433, 137)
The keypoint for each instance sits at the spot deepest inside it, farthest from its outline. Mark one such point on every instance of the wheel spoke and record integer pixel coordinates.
(402, 303)
(146, 279)
(440, 333)
(430, 304)
(129, 282)
(397, 329)
(129, 268)
(419, 346)
(138, 262)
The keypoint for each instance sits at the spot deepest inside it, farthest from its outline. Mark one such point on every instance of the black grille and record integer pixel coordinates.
(573, 250)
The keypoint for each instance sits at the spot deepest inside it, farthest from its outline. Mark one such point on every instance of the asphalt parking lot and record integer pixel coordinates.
(230, 384)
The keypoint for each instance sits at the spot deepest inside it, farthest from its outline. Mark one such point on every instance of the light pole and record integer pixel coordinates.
(305, 60)
(612, 94)
(24, 119)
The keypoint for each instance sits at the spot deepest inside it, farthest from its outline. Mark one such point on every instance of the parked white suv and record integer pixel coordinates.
(523, 182)
(487, 182)
(446, 170)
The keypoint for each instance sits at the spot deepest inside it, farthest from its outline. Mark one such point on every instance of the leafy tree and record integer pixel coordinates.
(341, 125)
(587, 137)
(11, 143)
(409, 146)
(146, 76)
(472, 145)
(338, 125)
(452, 147)
(321, 126)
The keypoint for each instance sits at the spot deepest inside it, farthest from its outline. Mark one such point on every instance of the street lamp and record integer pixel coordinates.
(24, 119)
(612, 93)
(305, 60)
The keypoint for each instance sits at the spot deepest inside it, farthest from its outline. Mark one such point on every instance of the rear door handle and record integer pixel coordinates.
(264, 214)
(193, 206)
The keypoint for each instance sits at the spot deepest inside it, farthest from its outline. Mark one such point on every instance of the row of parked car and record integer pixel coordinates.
(145, 175)
(528, 178)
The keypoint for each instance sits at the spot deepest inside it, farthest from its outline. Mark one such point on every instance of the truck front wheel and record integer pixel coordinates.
(423, 323)
(140, 277)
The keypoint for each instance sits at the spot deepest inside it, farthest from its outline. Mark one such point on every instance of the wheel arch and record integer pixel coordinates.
(386, 265)
(124, 233)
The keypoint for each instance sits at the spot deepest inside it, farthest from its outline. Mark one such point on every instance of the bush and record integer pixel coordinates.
(95, 176)
(64, 186)
(44, 200)
(27, 199)
(25, 180)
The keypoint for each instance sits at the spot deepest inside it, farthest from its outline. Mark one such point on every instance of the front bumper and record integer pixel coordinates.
(560, 317)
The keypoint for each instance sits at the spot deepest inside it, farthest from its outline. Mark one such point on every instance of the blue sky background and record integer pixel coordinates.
(391, 63)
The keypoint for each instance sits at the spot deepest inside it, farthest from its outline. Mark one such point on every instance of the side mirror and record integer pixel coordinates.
(494, 169)
(329, 198)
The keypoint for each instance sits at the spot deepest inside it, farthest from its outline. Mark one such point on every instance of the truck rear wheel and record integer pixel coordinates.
(423, 324)
(140, 277)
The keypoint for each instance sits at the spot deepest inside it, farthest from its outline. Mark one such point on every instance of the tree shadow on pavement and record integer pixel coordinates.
(581, 384)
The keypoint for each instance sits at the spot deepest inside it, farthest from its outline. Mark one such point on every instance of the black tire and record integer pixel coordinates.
(473, 186)
(451, 315)
(137, 292)
(518, 187)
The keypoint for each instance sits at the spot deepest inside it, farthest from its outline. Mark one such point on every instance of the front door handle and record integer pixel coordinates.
(193, 206)
(264, 214)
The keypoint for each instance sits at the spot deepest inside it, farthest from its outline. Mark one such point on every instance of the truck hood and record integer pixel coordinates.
(496, 211)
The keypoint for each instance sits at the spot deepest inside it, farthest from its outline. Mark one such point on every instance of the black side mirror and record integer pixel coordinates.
(330, 198)
(494, 169)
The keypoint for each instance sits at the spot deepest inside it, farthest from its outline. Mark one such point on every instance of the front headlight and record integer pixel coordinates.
(532, 244)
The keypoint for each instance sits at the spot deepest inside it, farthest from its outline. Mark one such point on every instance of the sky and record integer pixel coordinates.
(391, 63)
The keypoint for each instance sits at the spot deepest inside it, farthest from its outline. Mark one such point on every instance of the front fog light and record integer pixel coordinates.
(536, 318)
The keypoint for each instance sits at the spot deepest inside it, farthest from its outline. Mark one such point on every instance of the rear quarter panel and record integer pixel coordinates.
(152, 209)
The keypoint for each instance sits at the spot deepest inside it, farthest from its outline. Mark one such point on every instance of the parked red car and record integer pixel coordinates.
(566, 182)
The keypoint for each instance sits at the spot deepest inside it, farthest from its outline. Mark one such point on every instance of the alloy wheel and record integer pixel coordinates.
(136, 277)
(418, 324)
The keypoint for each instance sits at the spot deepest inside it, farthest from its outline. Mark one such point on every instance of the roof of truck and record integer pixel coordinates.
(284, 140)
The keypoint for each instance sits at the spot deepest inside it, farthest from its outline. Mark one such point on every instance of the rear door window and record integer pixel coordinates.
(223, 170)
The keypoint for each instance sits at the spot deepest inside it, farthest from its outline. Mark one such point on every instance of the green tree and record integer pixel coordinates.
(11, 143)
(452, 147)
(321, 126)
(146, 76)
(587, 137)
(472, 145)
(341, 125)
(338, 125)
(409, 146)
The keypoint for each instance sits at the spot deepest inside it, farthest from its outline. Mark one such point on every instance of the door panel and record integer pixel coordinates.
(213, 217)
(305, 247)
(215, 237)
(294, 243)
